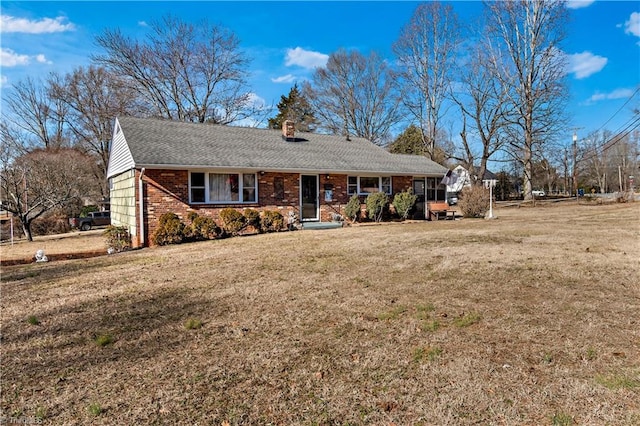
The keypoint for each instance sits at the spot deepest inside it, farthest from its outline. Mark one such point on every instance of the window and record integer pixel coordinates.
(197, 187)
(249, 188)
(222, 187)
(435, 190)
(352, 185)
(386, 184)
(368, 184)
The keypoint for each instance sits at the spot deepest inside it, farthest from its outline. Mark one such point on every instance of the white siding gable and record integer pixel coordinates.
(120, 158)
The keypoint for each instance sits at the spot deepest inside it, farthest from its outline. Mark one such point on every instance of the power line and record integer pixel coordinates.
(620, 109)
(614, 139)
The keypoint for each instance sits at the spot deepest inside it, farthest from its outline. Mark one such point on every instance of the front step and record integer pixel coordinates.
(321, 225)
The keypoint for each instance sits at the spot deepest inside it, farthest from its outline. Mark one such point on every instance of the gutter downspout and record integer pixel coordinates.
(140, 191)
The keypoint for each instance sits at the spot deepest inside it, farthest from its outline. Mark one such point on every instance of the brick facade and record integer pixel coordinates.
(168, 191)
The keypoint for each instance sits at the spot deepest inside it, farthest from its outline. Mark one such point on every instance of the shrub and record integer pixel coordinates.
(376, 203)
(253, 219)
(474, 201)
(170, 230)
(50, 224)
(272, 221)
(85, 210)
(352, 209)
(232, 221)
(118, 238)
(33, 320)
(403, 203)
(202, 227)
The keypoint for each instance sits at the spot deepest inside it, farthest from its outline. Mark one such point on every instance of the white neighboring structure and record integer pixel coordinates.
(462, 179)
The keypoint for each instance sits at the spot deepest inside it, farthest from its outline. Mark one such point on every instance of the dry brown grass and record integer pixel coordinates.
(529, 319)
(75, 242)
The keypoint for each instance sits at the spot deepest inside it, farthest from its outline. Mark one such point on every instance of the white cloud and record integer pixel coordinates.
(9, 58)
(142, 24)
(11, 24)
(3, 81)
(585, 64)
(42, 59)
(578, 4)
(289, 78)
(632, 26)
(616, 94)
(305, 58)
(255, 101)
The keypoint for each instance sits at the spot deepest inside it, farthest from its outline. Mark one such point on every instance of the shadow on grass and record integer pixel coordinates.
(142, 326)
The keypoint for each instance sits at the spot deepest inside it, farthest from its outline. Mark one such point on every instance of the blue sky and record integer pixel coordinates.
(286, 40)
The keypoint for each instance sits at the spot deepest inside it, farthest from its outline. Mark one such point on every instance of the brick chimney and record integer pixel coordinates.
(289, 130)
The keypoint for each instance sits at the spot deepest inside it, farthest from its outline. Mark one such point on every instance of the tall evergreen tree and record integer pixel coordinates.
(294, 107)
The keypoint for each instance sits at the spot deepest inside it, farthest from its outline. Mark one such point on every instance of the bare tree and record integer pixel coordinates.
(608, 161)
(184, 72)
(482, 100)
(532, 67)
(34, 113)
(93, 98)
(426, 51)
(35, 183)
(353, 95)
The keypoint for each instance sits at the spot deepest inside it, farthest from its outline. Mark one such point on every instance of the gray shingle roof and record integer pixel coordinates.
(173, 144)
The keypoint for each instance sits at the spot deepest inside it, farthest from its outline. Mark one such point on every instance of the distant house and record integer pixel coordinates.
(158, 166)
(462, 179)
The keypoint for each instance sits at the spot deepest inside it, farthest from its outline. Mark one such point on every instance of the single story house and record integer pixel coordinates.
(158, 166)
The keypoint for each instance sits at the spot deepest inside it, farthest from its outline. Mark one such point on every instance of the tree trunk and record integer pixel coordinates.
(26, 227)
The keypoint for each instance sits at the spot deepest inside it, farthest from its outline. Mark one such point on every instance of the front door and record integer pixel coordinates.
(309, 197)
(419, 191)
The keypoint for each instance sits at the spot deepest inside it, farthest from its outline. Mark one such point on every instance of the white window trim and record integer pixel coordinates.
(379, 184)
(240, 188)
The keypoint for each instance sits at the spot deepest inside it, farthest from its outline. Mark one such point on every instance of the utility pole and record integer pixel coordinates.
(575, 160)
(566, 172)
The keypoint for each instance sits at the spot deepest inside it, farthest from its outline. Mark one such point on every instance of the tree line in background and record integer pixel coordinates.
(501, 77)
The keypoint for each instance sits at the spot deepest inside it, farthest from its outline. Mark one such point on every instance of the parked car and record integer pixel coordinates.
(92, 220)
(537, 193)
(452, 198)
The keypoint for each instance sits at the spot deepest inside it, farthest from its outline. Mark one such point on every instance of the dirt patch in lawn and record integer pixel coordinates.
(531, 318)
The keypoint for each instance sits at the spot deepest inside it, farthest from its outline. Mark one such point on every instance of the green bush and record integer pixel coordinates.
(376, 203)
(253, 219)
(272, 221)
(202, 227)
(403, 203)
(118, 238)
(191, 216)
(232, 221)
(170, 230)
(474, 201)
(85, 210)
(352, 209)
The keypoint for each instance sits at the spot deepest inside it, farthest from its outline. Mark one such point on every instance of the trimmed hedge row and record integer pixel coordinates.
(171, 230)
